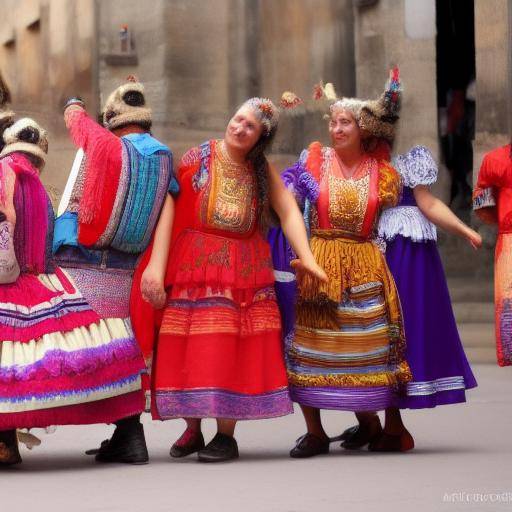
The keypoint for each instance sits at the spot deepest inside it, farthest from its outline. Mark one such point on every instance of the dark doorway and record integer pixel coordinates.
(456, 94)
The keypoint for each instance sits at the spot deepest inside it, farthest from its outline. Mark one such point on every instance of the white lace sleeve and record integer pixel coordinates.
(417, 167)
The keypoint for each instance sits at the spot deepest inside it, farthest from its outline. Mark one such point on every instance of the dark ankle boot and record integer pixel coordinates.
(127, 444)
(221, 448)
(9, 452)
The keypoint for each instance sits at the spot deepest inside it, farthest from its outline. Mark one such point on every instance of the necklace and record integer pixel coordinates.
(226, 159)
(353, 172)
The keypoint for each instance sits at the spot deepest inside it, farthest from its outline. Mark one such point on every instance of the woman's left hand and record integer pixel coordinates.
(310, 267)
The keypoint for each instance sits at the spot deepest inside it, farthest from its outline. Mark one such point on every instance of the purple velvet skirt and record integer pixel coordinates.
(440, 369)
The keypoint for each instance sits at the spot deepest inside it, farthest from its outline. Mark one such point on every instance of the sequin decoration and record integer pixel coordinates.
(230, 200)
(348, 199)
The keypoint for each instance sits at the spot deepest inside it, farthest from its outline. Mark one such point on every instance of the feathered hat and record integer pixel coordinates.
(377, 117)
(26, 136)
(127, 105)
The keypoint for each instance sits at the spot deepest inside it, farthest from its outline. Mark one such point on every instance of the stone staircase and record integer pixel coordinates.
(473, 305)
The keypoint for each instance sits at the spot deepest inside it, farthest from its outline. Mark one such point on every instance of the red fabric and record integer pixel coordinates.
(226, 308)
(496, 173)
(145, 319)
(101, 411)
(103, 152)
(373, 202)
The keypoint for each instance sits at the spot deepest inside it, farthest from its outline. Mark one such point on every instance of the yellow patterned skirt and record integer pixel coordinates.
(348, 347)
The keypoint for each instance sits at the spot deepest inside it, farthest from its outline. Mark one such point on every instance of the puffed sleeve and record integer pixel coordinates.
(390, 186)
(300, 182)
(492, 172)
(416, 167)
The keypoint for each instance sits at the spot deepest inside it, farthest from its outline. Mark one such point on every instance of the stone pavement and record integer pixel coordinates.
(461, 450)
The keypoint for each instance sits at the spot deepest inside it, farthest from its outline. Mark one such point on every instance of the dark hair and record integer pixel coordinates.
(266, 216)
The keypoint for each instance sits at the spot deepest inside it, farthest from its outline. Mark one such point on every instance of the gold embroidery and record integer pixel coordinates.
(348, 200)
(401, 375)
(229, 203)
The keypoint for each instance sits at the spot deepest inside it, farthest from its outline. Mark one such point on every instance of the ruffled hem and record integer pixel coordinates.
(36, 306)
(201, 259)
(59, 362)
(407, 221)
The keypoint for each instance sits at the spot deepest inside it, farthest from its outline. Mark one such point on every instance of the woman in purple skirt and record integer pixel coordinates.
(440, 369)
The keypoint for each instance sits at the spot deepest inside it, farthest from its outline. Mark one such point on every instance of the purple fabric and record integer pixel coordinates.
(300, 181)
(286, 292)
(439, 366)
(219, 403)
(407, 198)
(57, 363)
(346, 398)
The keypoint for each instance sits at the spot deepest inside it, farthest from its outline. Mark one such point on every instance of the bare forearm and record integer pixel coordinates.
(162, 238)
(293, 228)
(439, 213)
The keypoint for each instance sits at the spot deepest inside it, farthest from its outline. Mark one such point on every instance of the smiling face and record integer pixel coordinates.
(344, 131)
(243, 130)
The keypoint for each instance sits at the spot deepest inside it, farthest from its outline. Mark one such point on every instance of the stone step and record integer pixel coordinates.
(481, 355)
(477, 334)
(481, 312)
(471, 289)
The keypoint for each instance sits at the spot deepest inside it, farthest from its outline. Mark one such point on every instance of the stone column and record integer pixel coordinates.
(493, 22)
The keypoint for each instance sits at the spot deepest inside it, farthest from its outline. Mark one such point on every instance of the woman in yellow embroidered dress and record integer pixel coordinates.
(347, 350)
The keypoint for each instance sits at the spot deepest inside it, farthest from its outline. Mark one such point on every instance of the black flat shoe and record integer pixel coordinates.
(127, 445)
(360, 435)
(94, 451)
(221, 448)
(190, 442)
(9, 452)
(309, 445)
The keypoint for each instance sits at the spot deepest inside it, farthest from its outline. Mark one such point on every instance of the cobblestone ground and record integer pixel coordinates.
(463, 462)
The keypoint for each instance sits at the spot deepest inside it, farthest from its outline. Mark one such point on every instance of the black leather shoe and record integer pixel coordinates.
(127, 445)
(190, 442)
(361, 435)
(221, 448)
(94, 451)
(9, 452)
(309, 445)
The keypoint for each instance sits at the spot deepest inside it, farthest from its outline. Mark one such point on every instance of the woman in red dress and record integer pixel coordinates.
(219, 352)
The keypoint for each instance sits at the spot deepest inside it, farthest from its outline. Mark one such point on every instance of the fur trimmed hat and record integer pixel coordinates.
(127, 105)
(26, 136)
(376, 117)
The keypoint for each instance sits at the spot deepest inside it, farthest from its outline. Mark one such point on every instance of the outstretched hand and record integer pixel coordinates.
(474, 239)
(310, 267)
(152, 288)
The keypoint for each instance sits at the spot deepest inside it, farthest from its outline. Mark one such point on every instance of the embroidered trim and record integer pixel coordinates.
(407, 221)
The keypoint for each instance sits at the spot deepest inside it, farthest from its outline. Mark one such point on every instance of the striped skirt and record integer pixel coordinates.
(347, 350)
(60, 362)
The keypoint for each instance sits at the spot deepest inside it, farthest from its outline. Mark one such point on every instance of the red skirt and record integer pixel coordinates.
(219, 351)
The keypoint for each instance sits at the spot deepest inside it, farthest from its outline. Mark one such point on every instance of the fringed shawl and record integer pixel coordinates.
(31, 204)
